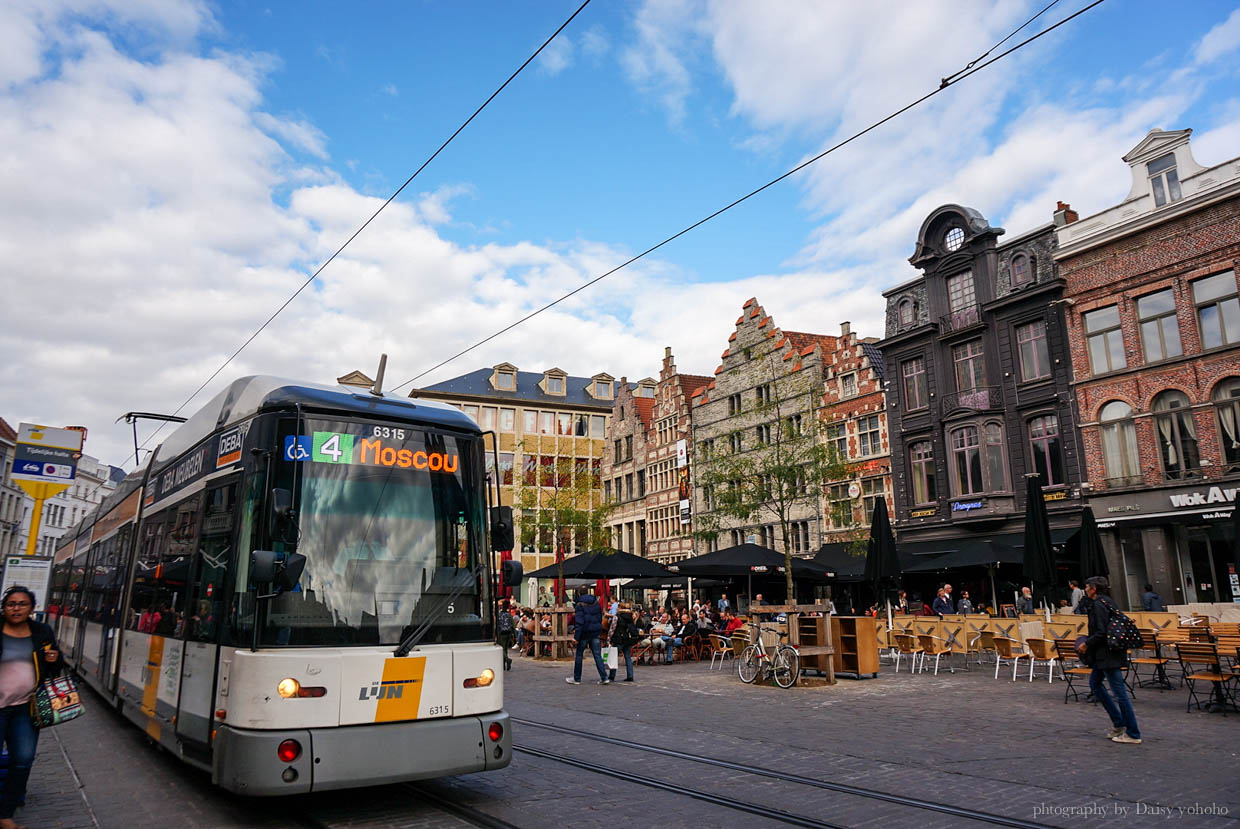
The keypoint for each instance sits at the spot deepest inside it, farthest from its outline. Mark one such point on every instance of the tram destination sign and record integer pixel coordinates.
(385, 447)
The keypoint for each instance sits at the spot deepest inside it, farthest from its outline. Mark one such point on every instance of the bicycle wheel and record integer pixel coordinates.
(747, 666)
(786, 666)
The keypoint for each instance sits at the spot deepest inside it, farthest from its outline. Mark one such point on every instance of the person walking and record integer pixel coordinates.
(505, 629)
(587, 628)
(625, 634)
(1077, 594)
(1107, 664)
(28, 653)
(1151, 601)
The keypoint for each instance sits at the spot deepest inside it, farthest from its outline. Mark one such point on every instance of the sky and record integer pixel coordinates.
(173, 170)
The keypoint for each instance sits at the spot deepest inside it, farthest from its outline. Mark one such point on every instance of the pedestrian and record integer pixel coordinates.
(505, 630)
(1025, 605)
(1151, 601)
(587, 628)
(1077, 595)
(28, 653)
(1107, 664)
(724, 604)
(964, 606)
(544, 598)
(624, 635)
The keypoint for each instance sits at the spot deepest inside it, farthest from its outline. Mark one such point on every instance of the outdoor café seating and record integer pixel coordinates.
(984, 643)
(1202, 663)
(1042, 652)
(1070, 668)
(936, 647)
(906, 645)
(1156, 662)
(1010, 652)
(721, 650)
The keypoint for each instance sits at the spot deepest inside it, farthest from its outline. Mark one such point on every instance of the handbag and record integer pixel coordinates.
(56, 700)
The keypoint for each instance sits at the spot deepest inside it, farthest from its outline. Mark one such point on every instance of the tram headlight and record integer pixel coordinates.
(482, 680)
(288, 687)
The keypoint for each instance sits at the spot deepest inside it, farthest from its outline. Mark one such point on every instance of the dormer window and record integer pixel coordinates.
(1022, 274)
(505, 380)
(555, 385)
(906, 312)
(1164, 180)
(953, 239)
(602, 389)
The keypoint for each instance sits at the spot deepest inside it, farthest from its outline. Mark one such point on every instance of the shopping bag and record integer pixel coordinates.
(611, 658)
(56, 700)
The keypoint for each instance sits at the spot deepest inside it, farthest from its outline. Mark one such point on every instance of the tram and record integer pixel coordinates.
(294, 592)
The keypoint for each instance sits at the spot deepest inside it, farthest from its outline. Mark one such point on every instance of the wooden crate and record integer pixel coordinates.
(856, 646)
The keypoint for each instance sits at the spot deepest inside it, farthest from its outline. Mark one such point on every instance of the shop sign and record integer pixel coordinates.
(1125, 508)
(966, 506)
(923, 513)
(1201, 497)
(1055, 496)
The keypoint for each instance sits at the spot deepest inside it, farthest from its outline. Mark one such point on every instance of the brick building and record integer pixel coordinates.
(978, 393)
(548, 423)
(1154, 330)
(624, 464)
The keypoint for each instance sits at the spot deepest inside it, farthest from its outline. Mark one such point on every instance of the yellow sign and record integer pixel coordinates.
(923, 513)
(1055, 496)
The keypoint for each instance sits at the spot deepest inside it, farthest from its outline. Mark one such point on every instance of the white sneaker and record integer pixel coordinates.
(603, 682)
(572, 681)
(1115, 732)
(1124, 738)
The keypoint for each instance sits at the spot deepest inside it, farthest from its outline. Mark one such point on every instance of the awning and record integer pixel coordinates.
(836, 559)
(671, 583)
(976, 551)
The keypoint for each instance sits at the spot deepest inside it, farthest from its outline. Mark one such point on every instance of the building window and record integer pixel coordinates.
(995, 459)
(1160, 333)
(916, 396)
(581, 425)
(486, 418)
(1227, 404)
(602, 389)
(641, 483)
(764, 434)
(505, 380)
(794, 425)
(960, 294)
(1163, 179)
(1218, 310)
(1177, 436)
(563, 423)
(529, 421)
(953, 238)
(869, 438)
(848, 385)
(505, 468)
(598, 426)
(617, 451)
(1047, 452)
(472, 411)
(762, 394)
(839, 507)
(734, 442)
(969, 363)
(1035, 362)
(1105, 340)
(1022, 273)
(507, 419)
(628, 447)
(966, 452)
(546, 423)
(734, 404)
(837, 440)
(1119, 444)
(921, 457)
(555, 385)
(907, 312)
(871, 490)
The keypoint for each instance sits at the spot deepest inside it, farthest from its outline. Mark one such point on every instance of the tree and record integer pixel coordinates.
(565, 497)
(784, 471)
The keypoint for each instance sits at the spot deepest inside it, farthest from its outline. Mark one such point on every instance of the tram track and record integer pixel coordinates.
(758, 771)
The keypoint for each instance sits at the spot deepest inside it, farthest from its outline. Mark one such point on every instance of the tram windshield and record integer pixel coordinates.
(390, 521)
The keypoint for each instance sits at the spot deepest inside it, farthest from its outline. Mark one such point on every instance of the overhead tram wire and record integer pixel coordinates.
(373, 216)
(952, 80)
(946, 81)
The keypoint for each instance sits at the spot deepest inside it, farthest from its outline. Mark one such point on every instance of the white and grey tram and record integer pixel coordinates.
(294, 592)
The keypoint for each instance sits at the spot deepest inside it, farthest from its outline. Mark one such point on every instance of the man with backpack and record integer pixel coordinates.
(624, 635)
(505, 630)
(1105, 650)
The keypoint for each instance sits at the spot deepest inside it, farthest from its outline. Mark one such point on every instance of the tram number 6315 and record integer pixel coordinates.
(389, 432)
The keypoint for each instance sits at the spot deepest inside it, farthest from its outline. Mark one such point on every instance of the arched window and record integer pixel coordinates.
(921, 459)
(1227, 407)
(907, 314)
(1022, 272)
(1119, 444)
(1177, 436)
(1047, 453)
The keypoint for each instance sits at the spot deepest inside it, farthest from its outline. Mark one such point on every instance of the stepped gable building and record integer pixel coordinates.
(978, 394)
(669, 457)
(624, 464)
(541, 419)
(1154, 328)
(762, 365)
(855, 421)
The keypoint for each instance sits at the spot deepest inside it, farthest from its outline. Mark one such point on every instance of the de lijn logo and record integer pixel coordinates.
(387, 689)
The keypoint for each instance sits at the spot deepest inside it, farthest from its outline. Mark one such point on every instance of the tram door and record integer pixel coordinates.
(204, 612)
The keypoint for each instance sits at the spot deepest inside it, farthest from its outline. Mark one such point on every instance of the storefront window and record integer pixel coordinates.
(1177, 436)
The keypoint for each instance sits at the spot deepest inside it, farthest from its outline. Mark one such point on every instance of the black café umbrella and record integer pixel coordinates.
(1093, 560)
(601, 564)
(882, 561)
(1039, 560)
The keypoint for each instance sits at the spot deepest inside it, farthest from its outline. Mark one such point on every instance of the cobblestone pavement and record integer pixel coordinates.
(964, 739)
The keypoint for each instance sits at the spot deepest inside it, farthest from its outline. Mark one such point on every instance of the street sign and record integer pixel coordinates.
(46, 455)
(34, 572)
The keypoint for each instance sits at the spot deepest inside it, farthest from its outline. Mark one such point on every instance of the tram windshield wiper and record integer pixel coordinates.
(419, 633)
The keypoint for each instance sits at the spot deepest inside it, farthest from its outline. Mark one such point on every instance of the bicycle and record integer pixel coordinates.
(784, 666)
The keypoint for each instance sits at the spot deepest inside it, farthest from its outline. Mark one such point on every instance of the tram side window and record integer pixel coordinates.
(215, 556)
(77, 581)
(108, 569)
(159, 585)
(92, 595)
(60, 584)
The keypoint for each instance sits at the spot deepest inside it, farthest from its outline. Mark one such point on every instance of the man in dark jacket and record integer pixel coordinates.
(942, 605)
(587, 628)
(1107, 664)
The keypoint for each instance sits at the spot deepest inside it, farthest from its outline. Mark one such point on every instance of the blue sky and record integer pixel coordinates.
(176, 168)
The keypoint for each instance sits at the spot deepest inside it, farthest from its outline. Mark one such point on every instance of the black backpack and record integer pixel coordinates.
(625, 633)
(1122, 632)
(504, 623)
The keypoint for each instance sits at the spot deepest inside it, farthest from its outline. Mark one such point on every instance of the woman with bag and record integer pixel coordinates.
(28, 654)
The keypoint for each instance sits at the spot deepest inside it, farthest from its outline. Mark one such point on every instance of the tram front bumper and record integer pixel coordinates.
(248, 762)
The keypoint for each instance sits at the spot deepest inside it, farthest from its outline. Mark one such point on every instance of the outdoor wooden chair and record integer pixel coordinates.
(1156, 662)
(1230, 630)
(1042, 652)
(1201, 663)
(1009, 651)
(983, 643)
(936, 647)
(1070, 668)
(722, 650)
(906, 645)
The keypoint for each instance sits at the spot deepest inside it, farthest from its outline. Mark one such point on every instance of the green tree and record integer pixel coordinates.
(781, 467)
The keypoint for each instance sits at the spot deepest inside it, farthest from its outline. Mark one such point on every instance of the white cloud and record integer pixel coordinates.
(1223, 38)
(595, 43)
(390, 89)
(664, 28)
(557, 56)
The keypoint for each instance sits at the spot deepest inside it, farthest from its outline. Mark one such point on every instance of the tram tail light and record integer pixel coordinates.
(311, 691)
(289, 688)
(289, 751)
(482, 680)
(495, 732)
